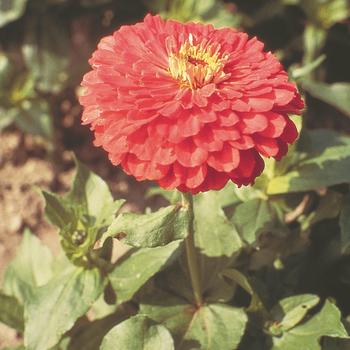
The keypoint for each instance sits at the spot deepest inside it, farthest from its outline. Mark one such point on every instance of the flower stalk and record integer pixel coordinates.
(191, 255)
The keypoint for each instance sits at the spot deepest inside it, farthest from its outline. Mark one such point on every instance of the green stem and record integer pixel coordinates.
(192, 259)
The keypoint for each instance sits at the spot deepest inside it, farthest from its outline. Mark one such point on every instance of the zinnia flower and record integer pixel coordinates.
(188, 105)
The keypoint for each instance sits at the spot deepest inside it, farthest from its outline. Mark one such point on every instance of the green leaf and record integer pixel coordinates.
(172, 197)
(131, 273)
(212, 326)
(11, 312)
(337, 95)
(88, 335)
(11, 10)
(82, 215)
(152, 230)
(138, 333)
(56, 306)
(325, 162)
(292, 310)
(92, 192)
(212, 226)
(264, 219)
(344, 223)
(57, 210)
(212, 285)
(32, 267)
(300, 72)
(307, 334)
(230, 195)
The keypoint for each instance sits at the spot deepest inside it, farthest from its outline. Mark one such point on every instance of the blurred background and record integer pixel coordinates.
(44, 51)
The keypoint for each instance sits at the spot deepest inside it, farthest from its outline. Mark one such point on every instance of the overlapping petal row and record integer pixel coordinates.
(187, 105)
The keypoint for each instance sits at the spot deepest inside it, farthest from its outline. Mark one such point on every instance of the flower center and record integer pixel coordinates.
(194, 66)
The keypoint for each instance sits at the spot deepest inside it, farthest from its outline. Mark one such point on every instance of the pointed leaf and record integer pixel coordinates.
(57, 209)
(82, 215)
(138, 333)
(135, 270)
(337, 95)
(307, 335)
(152, 230)
(254, 217)
(32, 267)
(11, 312)
(56, 306)
(89, 335)
(212, 326)
(92, 193)
(257, 299)
(290, 311)
(213, 226)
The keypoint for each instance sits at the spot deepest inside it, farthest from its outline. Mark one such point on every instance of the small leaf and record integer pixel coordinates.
(300, 72)
(213, 226)
(172, 197)
(138, 333)
(307, 335)
(56, 306)
(290, 311)
(57, 209)
(93, 193)
(257, 301)
(89, 335)
(131, 273)
(229, 195)
(11, 312)
(152, 230)
(337, 95)
(32, 267)
(212, 326)
(264, 219)
(82, 215)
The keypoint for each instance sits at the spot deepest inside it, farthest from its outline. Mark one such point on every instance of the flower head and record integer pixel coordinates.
(188, 105)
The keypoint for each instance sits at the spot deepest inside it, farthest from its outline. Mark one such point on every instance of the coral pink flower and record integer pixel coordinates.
(188, 105)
